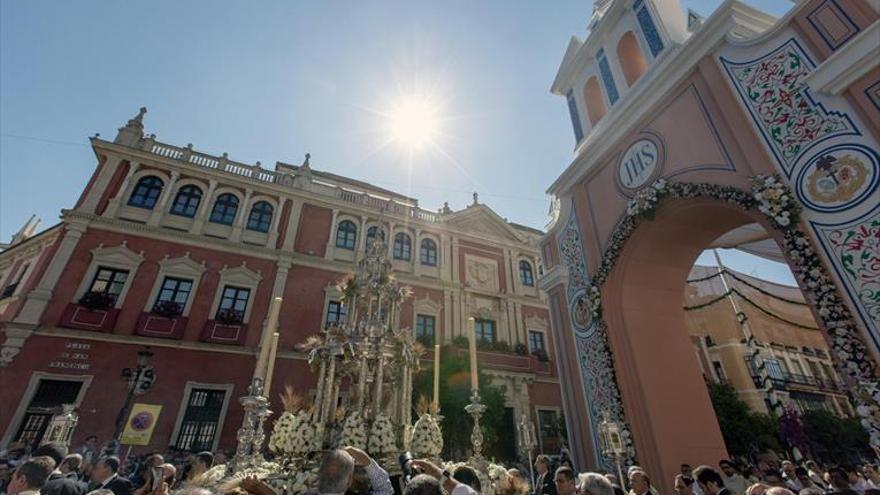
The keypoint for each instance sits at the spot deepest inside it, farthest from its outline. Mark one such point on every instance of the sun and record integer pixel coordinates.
(414, 122)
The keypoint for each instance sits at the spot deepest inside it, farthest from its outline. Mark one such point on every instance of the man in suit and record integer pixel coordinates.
(30, 476)
(710, 481)
(65, 479)
(544, 484)
(105, 474)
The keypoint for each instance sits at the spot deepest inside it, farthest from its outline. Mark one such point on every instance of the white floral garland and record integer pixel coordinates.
(770, 196)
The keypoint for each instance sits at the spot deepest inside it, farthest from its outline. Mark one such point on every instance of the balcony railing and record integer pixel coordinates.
(256, 173)
(797, 380)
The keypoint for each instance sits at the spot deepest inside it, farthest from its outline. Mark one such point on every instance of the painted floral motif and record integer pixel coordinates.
(772, 88)
(573, 255)
(858, 250)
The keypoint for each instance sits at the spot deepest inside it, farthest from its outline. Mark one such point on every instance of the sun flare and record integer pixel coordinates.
(414, 122)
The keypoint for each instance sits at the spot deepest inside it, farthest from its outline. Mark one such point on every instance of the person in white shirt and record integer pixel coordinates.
(30, 476)
(872, 475)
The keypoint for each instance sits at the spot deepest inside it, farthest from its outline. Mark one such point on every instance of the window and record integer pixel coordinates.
(146, 192)
(719, 371)
(200, 420)
(425, 329)
(536, 341)
(225, 209)
(261, 217)
(10, 289)
(173, 296)
(428, 252)
(575, 118)
(46, 402)
(649, 30)
(607, 77)
(548, 422)
(346, 234)
(402, 247)
(525, 273)
(233, 305)
(335, 313)
(110, 282)
(773, 369)
(372, 233)
(187, 201)
(485, 330)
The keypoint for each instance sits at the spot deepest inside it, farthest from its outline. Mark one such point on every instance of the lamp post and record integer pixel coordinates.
(612, 443)
(140, 379)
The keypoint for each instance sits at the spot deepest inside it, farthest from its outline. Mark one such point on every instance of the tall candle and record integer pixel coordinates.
(472, 344)
(266, 339)
(271, 366)
(437, 375)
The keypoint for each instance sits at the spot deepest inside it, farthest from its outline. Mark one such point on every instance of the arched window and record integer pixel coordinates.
(346, 235)
(372, 233)
(632, 62)
(225, 209)
(146, 192)
(260, 218)
(525, 273)
(187, 201)
(595, 102)
(428, 252)
(402, 247)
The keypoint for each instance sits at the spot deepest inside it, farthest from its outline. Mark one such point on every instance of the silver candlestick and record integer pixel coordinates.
(250, 436)
(476, 409)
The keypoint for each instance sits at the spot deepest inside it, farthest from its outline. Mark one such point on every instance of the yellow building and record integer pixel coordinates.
(793, 349)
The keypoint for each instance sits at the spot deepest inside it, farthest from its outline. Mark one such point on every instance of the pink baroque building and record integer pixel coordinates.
(180, 251)
(677, 119)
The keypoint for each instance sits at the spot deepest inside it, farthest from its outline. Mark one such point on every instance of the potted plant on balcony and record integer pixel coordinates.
(95, 300)
(168, 309)
(541, 354)
(230, 316)
(521, 349)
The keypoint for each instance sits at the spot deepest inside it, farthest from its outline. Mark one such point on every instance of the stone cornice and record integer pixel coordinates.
(845, 66)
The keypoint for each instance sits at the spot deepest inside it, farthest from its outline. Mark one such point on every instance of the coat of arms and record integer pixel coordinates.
(836, 179)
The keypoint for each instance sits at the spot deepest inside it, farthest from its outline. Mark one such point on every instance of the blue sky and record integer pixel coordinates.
(271, 81)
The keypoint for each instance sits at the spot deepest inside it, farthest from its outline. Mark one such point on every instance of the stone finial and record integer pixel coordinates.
(446, 208)
(476, 199)
(305, 164)
(138, 120)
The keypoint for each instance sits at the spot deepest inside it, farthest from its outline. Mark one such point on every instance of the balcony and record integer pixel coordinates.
(228, 328)
(798, 381)
(83, 318)
(165, 326)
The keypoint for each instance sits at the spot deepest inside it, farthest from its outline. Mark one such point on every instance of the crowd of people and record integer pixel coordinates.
(51, 470)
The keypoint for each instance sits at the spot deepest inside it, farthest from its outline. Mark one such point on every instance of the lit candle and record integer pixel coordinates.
(271, 367)
(266, 339)
(472, 344)
(437, 375)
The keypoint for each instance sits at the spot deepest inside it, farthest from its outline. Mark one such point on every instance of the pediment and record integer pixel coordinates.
(482, 221)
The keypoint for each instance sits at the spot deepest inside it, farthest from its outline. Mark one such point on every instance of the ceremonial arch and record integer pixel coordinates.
(731, 131)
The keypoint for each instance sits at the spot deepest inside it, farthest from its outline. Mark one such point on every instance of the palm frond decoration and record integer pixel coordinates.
(292, 402)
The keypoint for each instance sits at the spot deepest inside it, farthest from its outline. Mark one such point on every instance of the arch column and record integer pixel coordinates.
(241, 216)
(113, 205)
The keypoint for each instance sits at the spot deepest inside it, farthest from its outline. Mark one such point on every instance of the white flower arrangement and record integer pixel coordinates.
(381, 437)
(354, 431)
(294, 435)
(775, 200)
(594, 296)
(427, 439)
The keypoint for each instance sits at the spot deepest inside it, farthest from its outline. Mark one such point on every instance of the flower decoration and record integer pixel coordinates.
(354, 431)
(381, 437)
(427, 440)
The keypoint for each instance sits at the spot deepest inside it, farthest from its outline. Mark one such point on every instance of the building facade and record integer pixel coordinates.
(692, 133)
(180, 251)
(790, 343)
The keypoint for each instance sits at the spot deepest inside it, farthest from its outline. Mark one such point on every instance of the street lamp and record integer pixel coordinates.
(140, 379)
(612, 443)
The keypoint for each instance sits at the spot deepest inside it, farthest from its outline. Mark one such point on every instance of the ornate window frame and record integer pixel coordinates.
(331, 294)
(428, 307)
(136, 213)
(239, 276)
(31, 389)
(180, 267)
(119, 257)
(180, 184)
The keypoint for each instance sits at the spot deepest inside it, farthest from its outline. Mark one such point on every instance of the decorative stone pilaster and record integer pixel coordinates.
(241, 216)
(331, 246)
(113, 205)
(161, 204)
(204, 208)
